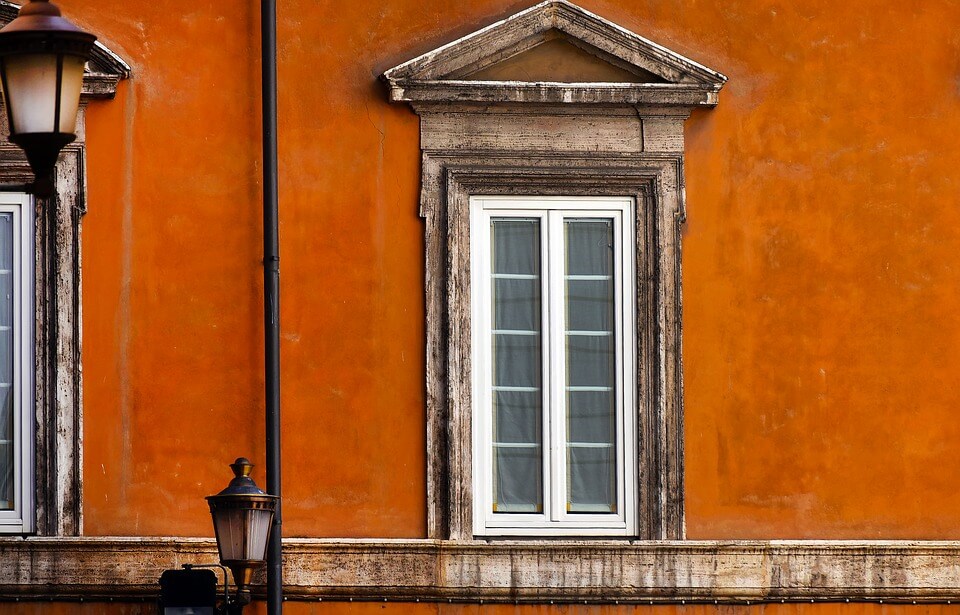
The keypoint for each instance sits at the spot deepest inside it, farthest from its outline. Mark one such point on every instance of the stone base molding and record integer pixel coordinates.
(110, 568)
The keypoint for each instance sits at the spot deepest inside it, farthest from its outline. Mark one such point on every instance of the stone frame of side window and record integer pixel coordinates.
(57, 380)
(482, 137)
(58, 426)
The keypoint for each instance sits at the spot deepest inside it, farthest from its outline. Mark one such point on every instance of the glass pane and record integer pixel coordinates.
(6, 269)
(517, 304)
(590, 416)
(516, 246)
(7, 448)
(517, 417)
(590, 359)
(516, 360)
(516, 478)
(592, 479)
(7, 435)
(588, 304)
(590, 365)
(516, 350)
(589, 245)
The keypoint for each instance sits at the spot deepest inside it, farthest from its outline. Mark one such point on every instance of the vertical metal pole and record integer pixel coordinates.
(271, 294)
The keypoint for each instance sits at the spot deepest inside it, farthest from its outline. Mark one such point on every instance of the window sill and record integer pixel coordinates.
(508, 570)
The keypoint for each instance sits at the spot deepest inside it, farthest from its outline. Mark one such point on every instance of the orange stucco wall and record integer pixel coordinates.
(821, 265)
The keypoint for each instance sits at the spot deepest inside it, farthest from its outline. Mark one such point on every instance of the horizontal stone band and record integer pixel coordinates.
(506, 571)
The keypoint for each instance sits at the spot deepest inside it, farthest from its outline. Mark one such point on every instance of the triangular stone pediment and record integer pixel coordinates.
(560, 60)
(557, 52)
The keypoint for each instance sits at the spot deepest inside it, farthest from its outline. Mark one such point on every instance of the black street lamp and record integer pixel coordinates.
(42, 56)
(242, 517)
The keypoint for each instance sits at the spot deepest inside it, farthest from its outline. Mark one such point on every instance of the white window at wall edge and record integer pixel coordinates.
(16, 364)
(554, 379)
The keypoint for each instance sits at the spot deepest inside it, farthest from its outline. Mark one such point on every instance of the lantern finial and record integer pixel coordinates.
(40, 7)
(241, 467)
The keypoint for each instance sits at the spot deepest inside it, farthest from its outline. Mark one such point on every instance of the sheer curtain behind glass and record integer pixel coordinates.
(517, 369)
(7, 436)
(590, 366)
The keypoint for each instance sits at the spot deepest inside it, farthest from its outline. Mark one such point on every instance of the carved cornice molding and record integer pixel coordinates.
(509, 571)
(682, 95)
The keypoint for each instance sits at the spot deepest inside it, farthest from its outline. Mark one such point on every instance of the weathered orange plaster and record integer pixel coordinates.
(821, 263)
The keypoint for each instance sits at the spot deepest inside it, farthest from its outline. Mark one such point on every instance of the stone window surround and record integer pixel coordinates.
(58, 429)
(57, 380)
(449, 181)
(489, 138)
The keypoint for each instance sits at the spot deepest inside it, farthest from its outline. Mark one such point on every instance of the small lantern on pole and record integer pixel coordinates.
(242, 517)
(42, 56)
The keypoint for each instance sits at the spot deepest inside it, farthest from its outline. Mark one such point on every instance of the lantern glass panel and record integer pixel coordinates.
(32, 93)
(228, 523)
(259, 532)
(70, 93)
(242, 533)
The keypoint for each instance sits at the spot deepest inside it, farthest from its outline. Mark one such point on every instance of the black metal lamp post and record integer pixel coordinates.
(242, 517)
(41, 70)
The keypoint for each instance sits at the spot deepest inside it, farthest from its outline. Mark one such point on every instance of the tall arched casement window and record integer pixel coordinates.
(552, 187)
(40, 386)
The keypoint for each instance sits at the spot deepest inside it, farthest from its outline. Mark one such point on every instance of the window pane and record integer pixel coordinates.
(589, 245)
(517, 305)
(590, 416)
(592, 478)
(517, 419)
(516, 360)
(7, 435)
(590, 359)
(588, 304)
(590, 366)
(516, 246)
(516, 349)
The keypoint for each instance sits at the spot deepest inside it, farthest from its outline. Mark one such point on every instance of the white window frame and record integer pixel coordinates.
(554, 520)
(20, 519)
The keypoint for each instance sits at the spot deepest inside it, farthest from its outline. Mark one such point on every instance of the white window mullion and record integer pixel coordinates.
(554, 298)
(545, 392)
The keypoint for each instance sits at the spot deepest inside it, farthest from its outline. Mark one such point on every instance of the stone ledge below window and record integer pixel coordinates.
(95, 568)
